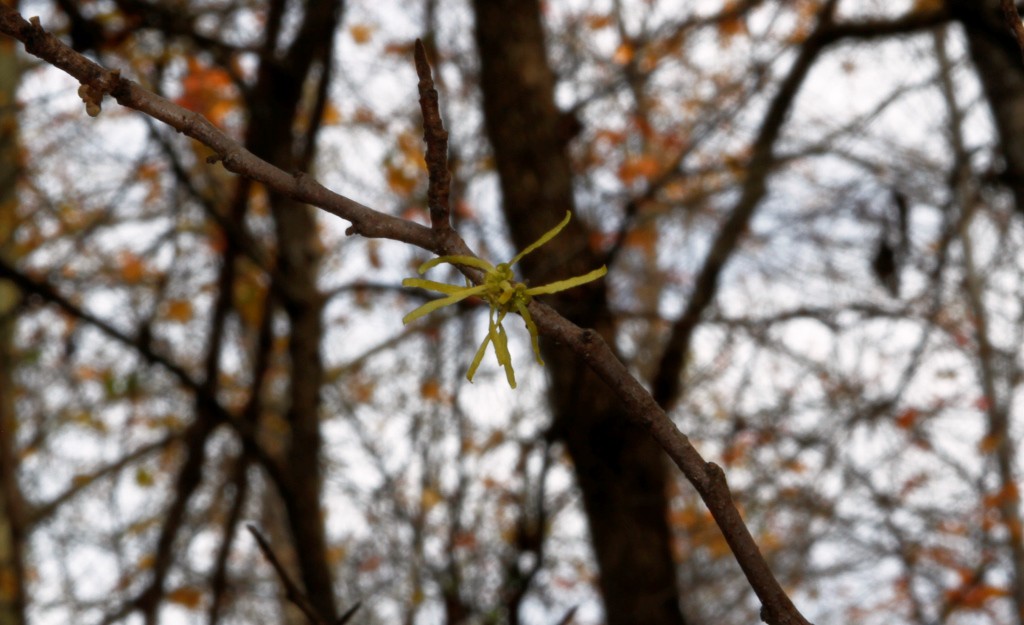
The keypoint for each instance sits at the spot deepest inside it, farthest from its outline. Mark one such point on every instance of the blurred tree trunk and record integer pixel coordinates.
(275, 106)
(619, 469)
(1001, 71)
(12, 578)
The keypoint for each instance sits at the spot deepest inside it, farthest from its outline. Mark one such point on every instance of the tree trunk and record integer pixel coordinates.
(12, 565)
(620, 470)
(998, 60)
(275, 104)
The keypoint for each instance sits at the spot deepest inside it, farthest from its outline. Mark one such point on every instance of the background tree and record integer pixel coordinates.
(196, 350)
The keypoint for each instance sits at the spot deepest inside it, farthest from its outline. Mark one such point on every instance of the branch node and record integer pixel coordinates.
(92, 97)
(231, 160)
(92, 92)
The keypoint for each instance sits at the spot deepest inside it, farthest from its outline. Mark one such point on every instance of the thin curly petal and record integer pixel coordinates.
(547, 236)
(433, 305)
(430, 285)
(467, 261)
(500, 339)
(568, 283)
(531, 327)
(478, 358)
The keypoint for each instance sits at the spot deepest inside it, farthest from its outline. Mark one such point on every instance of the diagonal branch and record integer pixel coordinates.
(43, 512)
(667, 385)
(292, 591)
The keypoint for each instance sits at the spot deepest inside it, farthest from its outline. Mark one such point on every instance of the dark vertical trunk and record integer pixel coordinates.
(997, 58)
(619, 469)
(12, 529)
(274, 104)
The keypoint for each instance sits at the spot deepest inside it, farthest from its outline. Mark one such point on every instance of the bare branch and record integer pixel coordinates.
(436, 138)
(565, 620)
(292, 591)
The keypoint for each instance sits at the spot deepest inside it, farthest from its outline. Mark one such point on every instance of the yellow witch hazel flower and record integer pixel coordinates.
(501, 292)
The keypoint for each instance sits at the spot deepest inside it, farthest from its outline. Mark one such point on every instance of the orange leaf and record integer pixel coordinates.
(208, 91)
(132, 269)
(465, 539)
(360, 33)
(399, 48)
(731, 26)
(464, 210)
(331, 115)
(634, 167)
(186, 596)
(645, 238)
(430, 498)
(907, 419)
(179, 310)
(974, 597)
(927, 6)
(430, 389)
(988, 444)
(1007, 494)
(624, 53)
(400, 182)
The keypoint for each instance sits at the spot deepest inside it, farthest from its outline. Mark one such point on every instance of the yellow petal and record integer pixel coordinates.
(433, 305)
(532, 328)
(547, 236)
(468, 261)
(478, 358)
(568, 283)
(430, 285)
(500, 339)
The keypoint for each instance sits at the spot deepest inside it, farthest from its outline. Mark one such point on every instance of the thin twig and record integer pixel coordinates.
(292, 592)
(569, 616)
(1014, 22)
(436, 138)
(347, 616)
